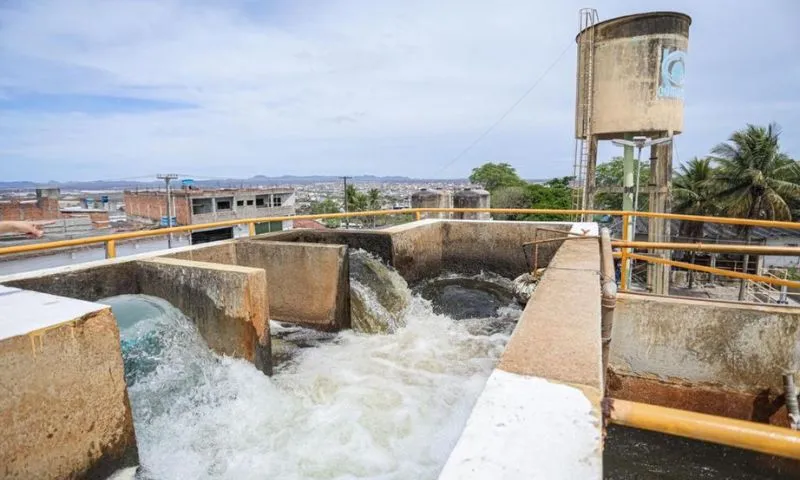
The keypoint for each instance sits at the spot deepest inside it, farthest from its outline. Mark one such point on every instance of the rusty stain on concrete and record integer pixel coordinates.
(766, 406)
(742, 347)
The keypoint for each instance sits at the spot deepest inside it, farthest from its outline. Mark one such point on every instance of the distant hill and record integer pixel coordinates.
(230, 182)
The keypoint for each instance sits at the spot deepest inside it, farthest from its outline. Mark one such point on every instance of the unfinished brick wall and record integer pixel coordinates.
(41, 209)
(153, 205)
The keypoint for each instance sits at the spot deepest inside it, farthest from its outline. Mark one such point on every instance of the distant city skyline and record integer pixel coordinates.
(94, 90)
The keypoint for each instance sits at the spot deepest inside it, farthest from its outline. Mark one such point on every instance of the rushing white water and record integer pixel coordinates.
(359, 406)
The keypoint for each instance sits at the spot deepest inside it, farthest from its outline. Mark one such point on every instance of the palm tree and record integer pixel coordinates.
(755, 179)
(374, 202)
(695, 194)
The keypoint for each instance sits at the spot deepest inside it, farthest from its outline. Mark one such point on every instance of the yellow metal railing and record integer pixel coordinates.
(625, 243)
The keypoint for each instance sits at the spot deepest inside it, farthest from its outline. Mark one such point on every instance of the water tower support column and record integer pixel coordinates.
(590, 184)
(659, 231)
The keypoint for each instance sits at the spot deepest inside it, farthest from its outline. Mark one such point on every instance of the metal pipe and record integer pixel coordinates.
(711, 247)
(790, 392)
(626, 261)
(758, 437)
(547, 240)
(188, 228)
(609, 297)
(718, 271)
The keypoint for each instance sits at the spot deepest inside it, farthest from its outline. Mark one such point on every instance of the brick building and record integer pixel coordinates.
(43, 207)
(193, 206)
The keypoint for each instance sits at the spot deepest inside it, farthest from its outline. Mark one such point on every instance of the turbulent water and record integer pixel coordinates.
(354, 406)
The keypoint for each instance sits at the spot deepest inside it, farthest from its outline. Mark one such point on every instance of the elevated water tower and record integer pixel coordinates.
(630, 82)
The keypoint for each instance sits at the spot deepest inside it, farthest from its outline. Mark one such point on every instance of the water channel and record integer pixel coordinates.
(387, 400)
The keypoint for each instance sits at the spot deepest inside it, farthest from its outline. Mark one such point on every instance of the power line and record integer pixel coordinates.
(510, 109)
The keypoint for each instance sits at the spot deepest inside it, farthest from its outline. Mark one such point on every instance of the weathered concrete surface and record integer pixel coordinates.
(713, 357)
(558, 335)
(417, 249)
(539, 415)
(378, 243)
(742, 347)
(471, 246)
(307, 283)
(215, 252)
(64, 411)
(92, 283)
(228, 303)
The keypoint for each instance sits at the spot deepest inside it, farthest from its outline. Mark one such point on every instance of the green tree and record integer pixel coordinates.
(496, 175)
(327, 206)
(554, 194)
(510, 197)
(612, 174)
(755, 180)
(694, 193)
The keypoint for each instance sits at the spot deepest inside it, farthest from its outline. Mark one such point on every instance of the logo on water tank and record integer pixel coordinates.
(673, 70)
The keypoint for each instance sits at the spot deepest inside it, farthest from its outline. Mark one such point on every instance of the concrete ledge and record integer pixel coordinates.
(228, 303)
(417, 249)
(526, 427)
(539, 415)
(64, 411)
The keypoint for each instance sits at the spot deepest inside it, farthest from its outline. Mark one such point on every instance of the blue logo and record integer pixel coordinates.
(673, 71)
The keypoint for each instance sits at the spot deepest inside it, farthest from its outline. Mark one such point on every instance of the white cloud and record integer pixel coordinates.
(291, 87)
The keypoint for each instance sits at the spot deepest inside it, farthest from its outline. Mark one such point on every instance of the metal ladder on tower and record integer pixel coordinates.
(588, 19)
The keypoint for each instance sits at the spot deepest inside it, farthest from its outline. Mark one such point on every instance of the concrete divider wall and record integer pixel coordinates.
(473, 246)
(228, 303)
(539, 415)
(308, 283)
(713, 357)
(378, 243)
(215, 252)
(417, 249)
(64, 410)
(89, 283)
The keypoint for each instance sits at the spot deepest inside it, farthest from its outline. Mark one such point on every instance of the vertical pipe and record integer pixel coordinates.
(169, 214)
(419, 215)
(792, 407)
(628, 169)
(626, 267)
(251, 229)
(609, 296)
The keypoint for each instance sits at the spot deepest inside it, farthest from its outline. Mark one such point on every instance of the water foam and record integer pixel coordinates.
(360, 406)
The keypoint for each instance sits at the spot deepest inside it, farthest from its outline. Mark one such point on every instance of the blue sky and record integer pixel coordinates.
(117, 89)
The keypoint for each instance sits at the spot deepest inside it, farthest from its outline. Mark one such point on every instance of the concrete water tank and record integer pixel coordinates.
(432, 198)
(472, 198)
(637, 75)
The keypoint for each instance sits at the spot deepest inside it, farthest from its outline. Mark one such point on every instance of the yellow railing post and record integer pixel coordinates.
(418, 215)
(625, 261)
(251, 229)
(111, 248)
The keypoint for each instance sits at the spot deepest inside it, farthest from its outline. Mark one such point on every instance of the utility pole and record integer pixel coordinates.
(346, 219)
(167, 177)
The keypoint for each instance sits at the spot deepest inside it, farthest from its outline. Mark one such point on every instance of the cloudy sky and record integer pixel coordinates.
(117, 89)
